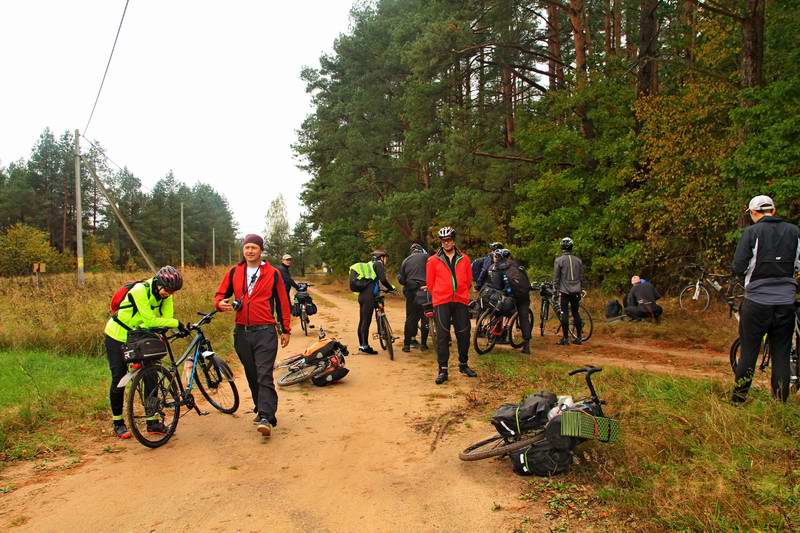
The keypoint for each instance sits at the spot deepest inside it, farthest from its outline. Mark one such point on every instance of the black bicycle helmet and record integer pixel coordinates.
(495, 246)
(566, 244)
(169, 278)
(447, 233)
(377, 254)
(505, 253)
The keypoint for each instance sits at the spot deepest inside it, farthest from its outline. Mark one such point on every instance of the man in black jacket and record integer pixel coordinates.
(288, 282)
(768, 256)
(641, 300)
(366, 300)
(412, 277)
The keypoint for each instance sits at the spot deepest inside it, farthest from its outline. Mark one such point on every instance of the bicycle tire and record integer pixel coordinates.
(214, 385)
(492, 447)
(387, 343)
(544, 313)
(762, 361)
(158, 404)
(297, 376)
(516, 328)
(687, 296)
(586, 318)
(482, 331)
(285, 363)
(304, 319)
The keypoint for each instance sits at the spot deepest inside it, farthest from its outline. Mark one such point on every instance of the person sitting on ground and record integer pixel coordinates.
(641, 300)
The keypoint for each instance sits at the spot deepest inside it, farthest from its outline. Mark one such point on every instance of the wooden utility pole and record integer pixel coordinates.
(78, 216)
(182, 265)
(213, 246)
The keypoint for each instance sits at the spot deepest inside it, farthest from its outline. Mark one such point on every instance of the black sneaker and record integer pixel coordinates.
(563, 342)
(442, 377)
(264, 427)
(526, 348)
(467, 371)
(577, 341)
(406, 348)
(367, 350)
(156, 427)
(121, 430)
(413, 343)
(423, 347)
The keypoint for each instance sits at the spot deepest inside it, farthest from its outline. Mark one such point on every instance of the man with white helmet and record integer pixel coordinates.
(568, 281)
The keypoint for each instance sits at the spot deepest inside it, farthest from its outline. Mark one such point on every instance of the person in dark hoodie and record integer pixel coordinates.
(412, 277)
(288, 281)
(568, 281)
(768, 256)
(506, 275)
(641, 300)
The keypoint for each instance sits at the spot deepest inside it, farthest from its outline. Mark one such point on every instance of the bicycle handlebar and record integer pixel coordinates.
(588, 369)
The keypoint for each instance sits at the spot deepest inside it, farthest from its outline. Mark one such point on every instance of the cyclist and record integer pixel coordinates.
(255, 290)
(488, 259)
(449, 278)
(288, 282)
(375, 275)
(148, 304)
(506, 275)
(768, 256)
(641, 300)
(412, 277)
(568, 281)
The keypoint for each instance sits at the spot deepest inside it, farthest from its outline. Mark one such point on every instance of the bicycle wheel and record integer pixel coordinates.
(498, 446)
(153, 406)
(587, 326)
(517, 339)
(286, 363)
(296, 376)
(386, 337)
(304, 319)
(694, 300)
(220, 392)
(543, 315)
(484, 339)
(761, 366)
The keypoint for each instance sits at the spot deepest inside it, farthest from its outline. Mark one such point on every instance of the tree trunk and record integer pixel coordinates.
(687, 18)
(577, 19)
(507, 90)
(630, 31)
(64, 215)
(554, 64)
(607, 37)
(753, 45)
(648, 49)
(617, 28)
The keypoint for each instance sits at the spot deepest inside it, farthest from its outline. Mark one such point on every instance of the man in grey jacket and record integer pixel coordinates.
(412, 277)
(568, 281)
(768, 256)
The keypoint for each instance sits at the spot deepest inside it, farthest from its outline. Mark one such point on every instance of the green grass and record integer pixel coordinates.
(43, 397)
(687, 460)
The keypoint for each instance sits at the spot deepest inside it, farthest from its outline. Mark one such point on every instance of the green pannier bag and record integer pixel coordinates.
(586, 426)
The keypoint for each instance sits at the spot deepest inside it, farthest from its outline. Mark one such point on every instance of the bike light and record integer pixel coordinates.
(136, 366)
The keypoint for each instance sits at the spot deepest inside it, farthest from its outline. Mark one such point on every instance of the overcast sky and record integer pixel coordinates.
(208, 89)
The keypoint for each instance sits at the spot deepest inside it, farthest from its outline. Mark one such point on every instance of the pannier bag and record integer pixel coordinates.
(498, 301)
(512, 419)
(541, 459)
(311, 308)
(295, 309)
(613, 309)
(302, 296)
(331, 375)
(144, 345)
(583, 425)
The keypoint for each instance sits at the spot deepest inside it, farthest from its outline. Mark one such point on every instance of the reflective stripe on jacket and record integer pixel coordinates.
(141, 309)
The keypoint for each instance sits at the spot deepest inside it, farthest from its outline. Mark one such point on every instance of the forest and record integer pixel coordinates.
(640, 128)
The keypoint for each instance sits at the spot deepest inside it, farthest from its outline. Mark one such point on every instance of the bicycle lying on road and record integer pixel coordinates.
(549, 298)
(157, 393)
(498, 445)
(384, 329)
(323, 356)
(695, 297)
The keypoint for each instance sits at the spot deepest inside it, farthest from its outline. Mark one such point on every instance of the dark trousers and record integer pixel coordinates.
(755, 321)
(523, 306)
(456, 314)
(644, 311)
(415, 317)
(257, 351)
(570, 301)
(118, 367)
(366, 307)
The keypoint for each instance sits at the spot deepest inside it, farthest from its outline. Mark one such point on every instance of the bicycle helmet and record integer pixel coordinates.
(566, 244)
(447, 233)
(169, 278)
(505, 253)
(417, 248)
(377, 254)
(495, 246)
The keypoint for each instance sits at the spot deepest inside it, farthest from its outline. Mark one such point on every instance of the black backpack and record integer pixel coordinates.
(518, 281)
(541, 459)
(613, 309)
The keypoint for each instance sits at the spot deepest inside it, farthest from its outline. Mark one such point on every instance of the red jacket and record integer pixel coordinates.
(445, 288)
(259, 307)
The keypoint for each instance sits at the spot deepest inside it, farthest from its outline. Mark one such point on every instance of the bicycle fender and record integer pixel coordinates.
(227, 373)
(129, 376)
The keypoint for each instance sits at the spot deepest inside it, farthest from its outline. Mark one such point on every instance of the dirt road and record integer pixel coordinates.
(343, 458)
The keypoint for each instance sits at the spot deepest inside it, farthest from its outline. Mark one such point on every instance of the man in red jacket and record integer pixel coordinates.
(255, 290)
(448, 278)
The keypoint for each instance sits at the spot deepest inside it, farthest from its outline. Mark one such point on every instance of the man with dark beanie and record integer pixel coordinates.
(255, 290)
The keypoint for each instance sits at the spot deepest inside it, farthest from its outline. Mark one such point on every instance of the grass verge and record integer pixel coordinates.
(687, 460)
(42, 396)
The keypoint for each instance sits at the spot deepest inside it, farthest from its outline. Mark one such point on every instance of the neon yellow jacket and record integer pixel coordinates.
(147, 311)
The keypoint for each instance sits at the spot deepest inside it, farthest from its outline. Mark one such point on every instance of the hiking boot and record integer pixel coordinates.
(406, 348)
(423, 347)
(442, 376)
(263, 426)
(526, 347)
(467, 371)
(413, 343)
(367, 350)
(577, 341)
(121, 430)
(156, 427)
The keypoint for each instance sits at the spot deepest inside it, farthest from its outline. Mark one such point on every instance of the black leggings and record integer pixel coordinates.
(118, 367)
(456, 314)
(414, 314)
(523, 306)
(366, 305)
(570, 300)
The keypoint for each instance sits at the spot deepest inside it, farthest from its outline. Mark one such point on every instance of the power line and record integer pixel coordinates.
(106, 71)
